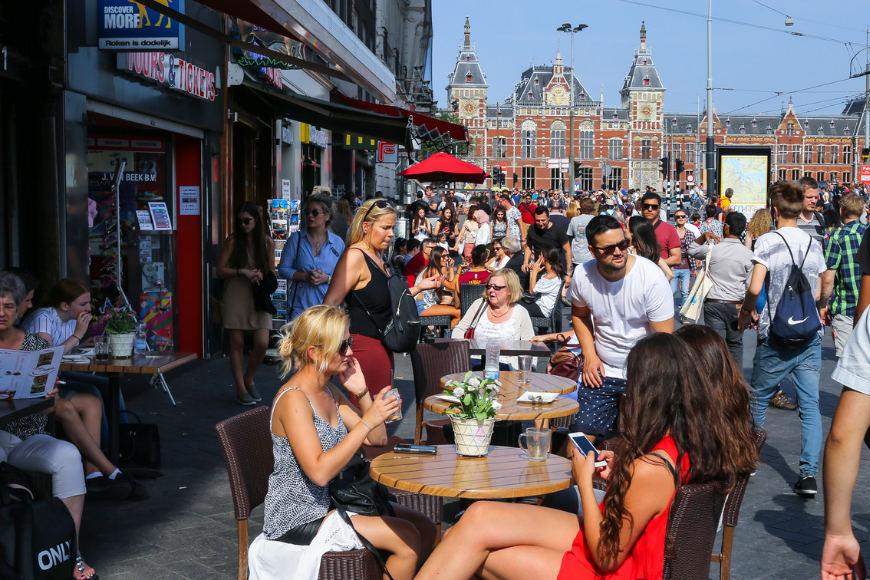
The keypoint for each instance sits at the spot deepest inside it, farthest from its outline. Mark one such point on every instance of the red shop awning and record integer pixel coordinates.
(428, 128)
(445, 167)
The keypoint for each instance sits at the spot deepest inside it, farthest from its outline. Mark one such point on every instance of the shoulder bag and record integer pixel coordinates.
(564, 363)
(469, 334)
(695, 302)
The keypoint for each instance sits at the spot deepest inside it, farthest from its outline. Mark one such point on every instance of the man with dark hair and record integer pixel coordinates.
(843, 275)
(418, 262)
(730, 269)
(543, 234)
(527, 209)
(711, 224)
(516, 227)
(617, 299)
(776, 253)
(666, 234)
(811, 220)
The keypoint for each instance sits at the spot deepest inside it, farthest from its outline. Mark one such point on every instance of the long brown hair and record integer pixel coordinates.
(434, 267)
(665, 395)
(733, 400)
(239, 255)
(66, 290)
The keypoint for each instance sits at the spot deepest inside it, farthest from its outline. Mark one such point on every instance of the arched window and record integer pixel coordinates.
(557, 140)
(587, 141)
(529, 137)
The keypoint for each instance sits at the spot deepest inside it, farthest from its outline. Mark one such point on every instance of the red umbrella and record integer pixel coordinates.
(445, 167)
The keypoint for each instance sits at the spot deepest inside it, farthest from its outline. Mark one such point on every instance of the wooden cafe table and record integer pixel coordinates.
(505, 472)
(512, 410)
(151, 363)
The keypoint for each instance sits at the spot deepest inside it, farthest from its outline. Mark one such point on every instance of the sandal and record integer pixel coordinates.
(80, 568)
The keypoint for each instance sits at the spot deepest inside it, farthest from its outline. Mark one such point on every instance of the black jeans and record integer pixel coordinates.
(722, 318)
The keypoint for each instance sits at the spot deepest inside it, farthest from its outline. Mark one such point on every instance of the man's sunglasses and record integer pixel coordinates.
(494, 287)
(313, 212)
(343, 347)
(650, 206)
(379, 203)
(245, 221)
(623, 246)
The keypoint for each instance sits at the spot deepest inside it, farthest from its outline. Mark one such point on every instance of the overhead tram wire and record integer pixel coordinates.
(785, 93)
(740, 23)
(837, 26)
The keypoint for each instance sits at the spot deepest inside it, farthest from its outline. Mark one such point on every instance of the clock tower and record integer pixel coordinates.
(466, 91)
(643, 96)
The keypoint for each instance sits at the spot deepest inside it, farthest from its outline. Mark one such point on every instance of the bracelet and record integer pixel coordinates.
(744, 311)
(361, 395)
(367, 425)
(77, 338)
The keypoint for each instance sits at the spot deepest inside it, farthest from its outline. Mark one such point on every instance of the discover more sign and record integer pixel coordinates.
(128, 25)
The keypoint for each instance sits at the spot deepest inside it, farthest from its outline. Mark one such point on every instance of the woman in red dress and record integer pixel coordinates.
(673, 426)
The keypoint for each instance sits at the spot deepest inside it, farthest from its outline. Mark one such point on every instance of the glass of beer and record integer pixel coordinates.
(397, 416)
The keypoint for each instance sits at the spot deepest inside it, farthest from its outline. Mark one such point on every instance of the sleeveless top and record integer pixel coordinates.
(293, 499)
(499, 230)
(375, 297)
(647, 556)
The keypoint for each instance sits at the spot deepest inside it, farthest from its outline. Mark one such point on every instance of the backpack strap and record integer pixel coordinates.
(789, 249)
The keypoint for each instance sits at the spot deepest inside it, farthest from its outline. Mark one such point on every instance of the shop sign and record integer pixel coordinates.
(865, 174)
(128, 25)
(267, 68)
(169, 70)
(388, 152)
(314, 136)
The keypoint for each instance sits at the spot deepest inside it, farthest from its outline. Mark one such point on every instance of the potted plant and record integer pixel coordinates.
(473, 415)
(121, 328)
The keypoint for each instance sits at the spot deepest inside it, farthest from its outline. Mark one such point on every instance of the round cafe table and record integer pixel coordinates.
(505, 472)
(511, 410)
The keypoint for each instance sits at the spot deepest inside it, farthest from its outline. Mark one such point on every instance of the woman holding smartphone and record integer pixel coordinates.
(673, 432)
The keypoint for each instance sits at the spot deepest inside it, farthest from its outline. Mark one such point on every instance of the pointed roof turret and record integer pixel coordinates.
(467, 71)
(643, 73)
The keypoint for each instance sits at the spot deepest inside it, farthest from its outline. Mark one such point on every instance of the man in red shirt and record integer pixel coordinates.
(666, 234)
(418, 262)
(527, 208)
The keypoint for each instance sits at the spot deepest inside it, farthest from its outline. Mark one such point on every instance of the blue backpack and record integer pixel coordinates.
(796, 319)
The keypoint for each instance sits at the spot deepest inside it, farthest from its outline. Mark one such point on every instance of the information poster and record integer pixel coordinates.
(160, 215)
(144, 218)
(189, 199)
(28, 374)
(746, 170)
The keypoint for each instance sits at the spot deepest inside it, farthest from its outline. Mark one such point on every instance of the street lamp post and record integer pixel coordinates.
(571, 30)
(711, 155)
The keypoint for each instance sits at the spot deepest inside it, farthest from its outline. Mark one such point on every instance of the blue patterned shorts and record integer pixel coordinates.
(599, 408)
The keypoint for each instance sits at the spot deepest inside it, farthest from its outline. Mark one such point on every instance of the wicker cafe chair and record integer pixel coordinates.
(468, 293)
(430, 362)
(692, 523)
(731, 515)
(247, 446)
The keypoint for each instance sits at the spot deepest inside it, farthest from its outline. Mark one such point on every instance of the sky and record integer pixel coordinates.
(755, 59)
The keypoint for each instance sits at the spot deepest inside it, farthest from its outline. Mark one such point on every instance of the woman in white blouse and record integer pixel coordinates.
(496, 316)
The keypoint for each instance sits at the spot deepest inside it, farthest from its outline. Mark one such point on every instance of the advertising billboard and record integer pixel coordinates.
(128, 25)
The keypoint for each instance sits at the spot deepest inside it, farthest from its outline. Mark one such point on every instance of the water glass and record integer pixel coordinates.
(101, 348)
(538, 441)
(397, 416)
(525, 370)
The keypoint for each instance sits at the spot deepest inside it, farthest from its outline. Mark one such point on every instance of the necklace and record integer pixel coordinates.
(506, 312)
(317, 245)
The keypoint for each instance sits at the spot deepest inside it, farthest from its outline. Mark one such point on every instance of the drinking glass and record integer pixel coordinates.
(397, 416)
(101, 348)
(538, 441)
(525, 370)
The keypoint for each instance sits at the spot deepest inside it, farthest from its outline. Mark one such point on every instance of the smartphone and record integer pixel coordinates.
(585, 446)
(415, 449)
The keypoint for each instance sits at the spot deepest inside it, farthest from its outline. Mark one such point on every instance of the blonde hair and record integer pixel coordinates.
(512, 281)
(362, 214)
(321, 326)
(573, 210)
(760, 223)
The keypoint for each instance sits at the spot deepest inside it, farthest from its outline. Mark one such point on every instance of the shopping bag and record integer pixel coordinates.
(695, 302)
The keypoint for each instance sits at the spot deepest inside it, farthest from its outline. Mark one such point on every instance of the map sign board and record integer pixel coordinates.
(746, 170)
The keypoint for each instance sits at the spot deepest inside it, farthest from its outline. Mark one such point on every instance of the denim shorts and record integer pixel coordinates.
(599, 408)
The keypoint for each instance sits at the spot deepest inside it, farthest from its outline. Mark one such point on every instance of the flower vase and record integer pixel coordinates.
(122, 344)
(471, 436)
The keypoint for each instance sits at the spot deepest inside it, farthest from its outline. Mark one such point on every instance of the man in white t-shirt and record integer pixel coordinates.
(617, 299)
(775, 253)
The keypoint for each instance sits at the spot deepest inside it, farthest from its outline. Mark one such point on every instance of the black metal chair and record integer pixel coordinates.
(430, 362)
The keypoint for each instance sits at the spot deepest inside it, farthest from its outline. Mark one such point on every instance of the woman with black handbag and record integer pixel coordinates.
(316, 433)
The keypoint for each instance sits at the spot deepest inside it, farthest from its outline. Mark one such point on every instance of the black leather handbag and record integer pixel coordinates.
(354, 489)
(139, 444)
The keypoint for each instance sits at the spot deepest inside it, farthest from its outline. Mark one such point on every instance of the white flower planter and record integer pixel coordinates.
(122, 344)
(471, 436)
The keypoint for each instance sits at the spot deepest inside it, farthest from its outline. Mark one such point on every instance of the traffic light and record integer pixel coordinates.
(865, 153)
(496, 176)
(577, 165)
(665, 169)
(678, 167)
(515, 179)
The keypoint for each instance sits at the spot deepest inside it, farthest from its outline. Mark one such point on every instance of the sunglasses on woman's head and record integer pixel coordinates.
(313, 212)
(494, 287)
(379, 203)
(623, 246)
(245, 221)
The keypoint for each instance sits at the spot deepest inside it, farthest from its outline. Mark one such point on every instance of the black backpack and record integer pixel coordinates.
(402, 332)
(796, 319)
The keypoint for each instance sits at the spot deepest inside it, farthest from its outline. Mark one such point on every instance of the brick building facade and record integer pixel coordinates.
(527, 133)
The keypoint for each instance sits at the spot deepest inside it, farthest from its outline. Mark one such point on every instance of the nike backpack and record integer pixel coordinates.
(796, 319)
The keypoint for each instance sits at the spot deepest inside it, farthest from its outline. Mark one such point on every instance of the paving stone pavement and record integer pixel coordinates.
(187, 529)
